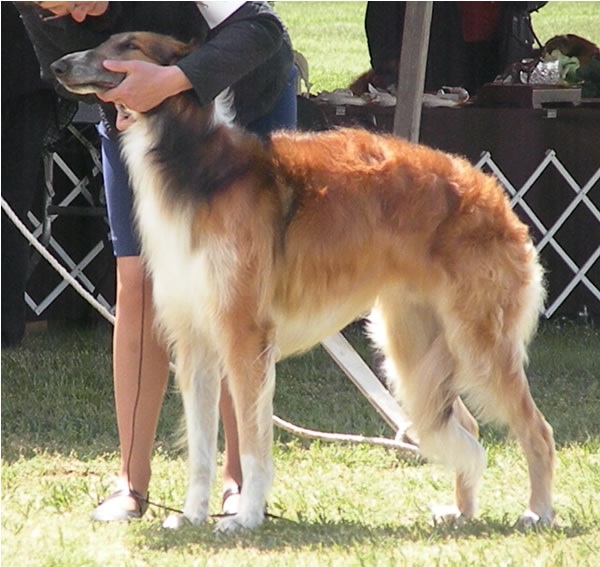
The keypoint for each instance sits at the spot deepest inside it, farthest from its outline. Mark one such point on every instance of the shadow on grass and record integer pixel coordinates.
(57, 393)
(280, 533)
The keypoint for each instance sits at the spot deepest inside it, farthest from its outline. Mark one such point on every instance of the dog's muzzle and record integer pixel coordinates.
(83, 73)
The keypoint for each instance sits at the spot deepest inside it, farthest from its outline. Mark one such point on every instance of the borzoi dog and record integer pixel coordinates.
(258, 250)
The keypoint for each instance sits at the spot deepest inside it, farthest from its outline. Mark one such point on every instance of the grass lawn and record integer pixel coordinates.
(338, 505)
(331, 34)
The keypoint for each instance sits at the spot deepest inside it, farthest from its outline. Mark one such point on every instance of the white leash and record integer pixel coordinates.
(345, 438)
(299, 431)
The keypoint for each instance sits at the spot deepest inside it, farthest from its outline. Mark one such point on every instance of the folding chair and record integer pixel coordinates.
(84, 198)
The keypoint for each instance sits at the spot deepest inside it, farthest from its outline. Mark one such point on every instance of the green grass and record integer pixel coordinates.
(580, 18)
(332, 38)
(339, 504)
(331, 35)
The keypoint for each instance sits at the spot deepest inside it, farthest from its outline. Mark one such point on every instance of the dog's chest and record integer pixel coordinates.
(190, 283)
(189, 277)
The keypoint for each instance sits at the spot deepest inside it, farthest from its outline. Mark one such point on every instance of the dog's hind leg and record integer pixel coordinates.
(447, 431)
(491, 355)
(536, 438)
(491, 373)
(421, 369)
(463, 490)
(198, 375)
(250, 367)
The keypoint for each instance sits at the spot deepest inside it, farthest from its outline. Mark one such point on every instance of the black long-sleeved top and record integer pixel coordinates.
(250, 51)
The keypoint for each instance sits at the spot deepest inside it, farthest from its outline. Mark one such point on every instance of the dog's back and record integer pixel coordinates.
(389, 213)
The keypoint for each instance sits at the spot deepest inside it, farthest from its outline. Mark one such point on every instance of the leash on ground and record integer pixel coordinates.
(219, 516)
(282, 424)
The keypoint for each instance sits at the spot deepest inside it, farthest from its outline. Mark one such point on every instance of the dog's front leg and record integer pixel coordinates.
(199, 381)
(251, 379)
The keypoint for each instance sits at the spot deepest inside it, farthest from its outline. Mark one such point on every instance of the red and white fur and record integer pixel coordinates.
(258, 250)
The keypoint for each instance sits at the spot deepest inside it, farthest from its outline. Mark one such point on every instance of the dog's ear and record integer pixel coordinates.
(560, 42)
(165, 50)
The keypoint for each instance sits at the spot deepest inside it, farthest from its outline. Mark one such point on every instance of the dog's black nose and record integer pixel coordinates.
(59, 67)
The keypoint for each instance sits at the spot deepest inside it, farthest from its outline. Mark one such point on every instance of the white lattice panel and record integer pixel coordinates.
(549, 234)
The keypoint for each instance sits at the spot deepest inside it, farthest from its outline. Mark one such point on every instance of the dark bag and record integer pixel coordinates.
(517, 37)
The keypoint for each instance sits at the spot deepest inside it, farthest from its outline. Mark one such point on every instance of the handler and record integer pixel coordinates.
(243, 45)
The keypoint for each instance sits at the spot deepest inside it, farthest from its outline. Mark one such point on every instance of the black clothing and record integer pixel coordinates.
(28, 108)
(446, 57)
(451, 61)
(250, 50)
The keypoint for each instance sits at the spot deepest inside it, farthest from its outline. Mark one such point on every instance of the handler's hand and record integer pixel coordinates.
(146, 84)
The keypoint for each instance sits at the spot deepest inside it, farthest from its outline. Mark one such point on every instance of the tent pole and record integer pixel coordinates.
(411, 71)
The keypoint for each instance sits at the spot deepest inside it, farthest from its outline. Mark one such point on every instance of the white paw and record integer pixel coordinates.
(529, 519)
(239, 522)
(178, 521)
(447, 516)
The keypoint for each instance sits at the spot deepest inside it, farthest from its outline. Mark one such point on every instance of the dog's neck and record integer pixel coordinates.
(188, 146)
(183, 113)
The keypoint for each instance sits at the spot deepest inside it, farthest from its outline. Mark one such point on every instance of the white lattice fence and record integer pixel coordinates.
(549, 234)
(579, 270)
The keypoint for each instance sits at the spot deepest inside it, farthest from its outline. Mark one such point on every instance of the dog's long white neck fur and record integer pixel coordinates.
(143, 136)
(165, 238)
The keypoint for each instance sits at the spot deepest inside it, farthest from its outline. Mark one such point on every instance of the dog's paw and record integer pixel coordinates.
(175, 522)
(530, 520)
(239, 522)
(447, 516)
(178, 521)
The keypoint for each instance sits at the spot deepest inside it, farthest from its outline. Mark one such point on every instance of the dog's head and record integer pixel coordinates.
(570, 45)
(83, 72)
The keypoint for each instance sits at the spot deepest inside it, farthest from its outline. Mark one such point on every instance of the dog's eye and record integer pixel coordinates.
(128, 46)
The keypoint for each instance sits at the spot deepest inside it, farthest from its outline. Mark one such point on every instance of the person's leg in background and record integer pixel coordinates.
(140, 371)
(284, 114)
(384, 27)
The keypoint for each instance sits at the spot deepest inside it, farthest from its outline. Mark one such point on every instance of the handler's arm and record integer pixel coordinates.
(242, 43)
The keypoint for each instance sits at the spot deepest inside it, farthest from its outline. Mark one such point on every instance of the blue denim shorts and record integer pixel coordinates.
(119, 197)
